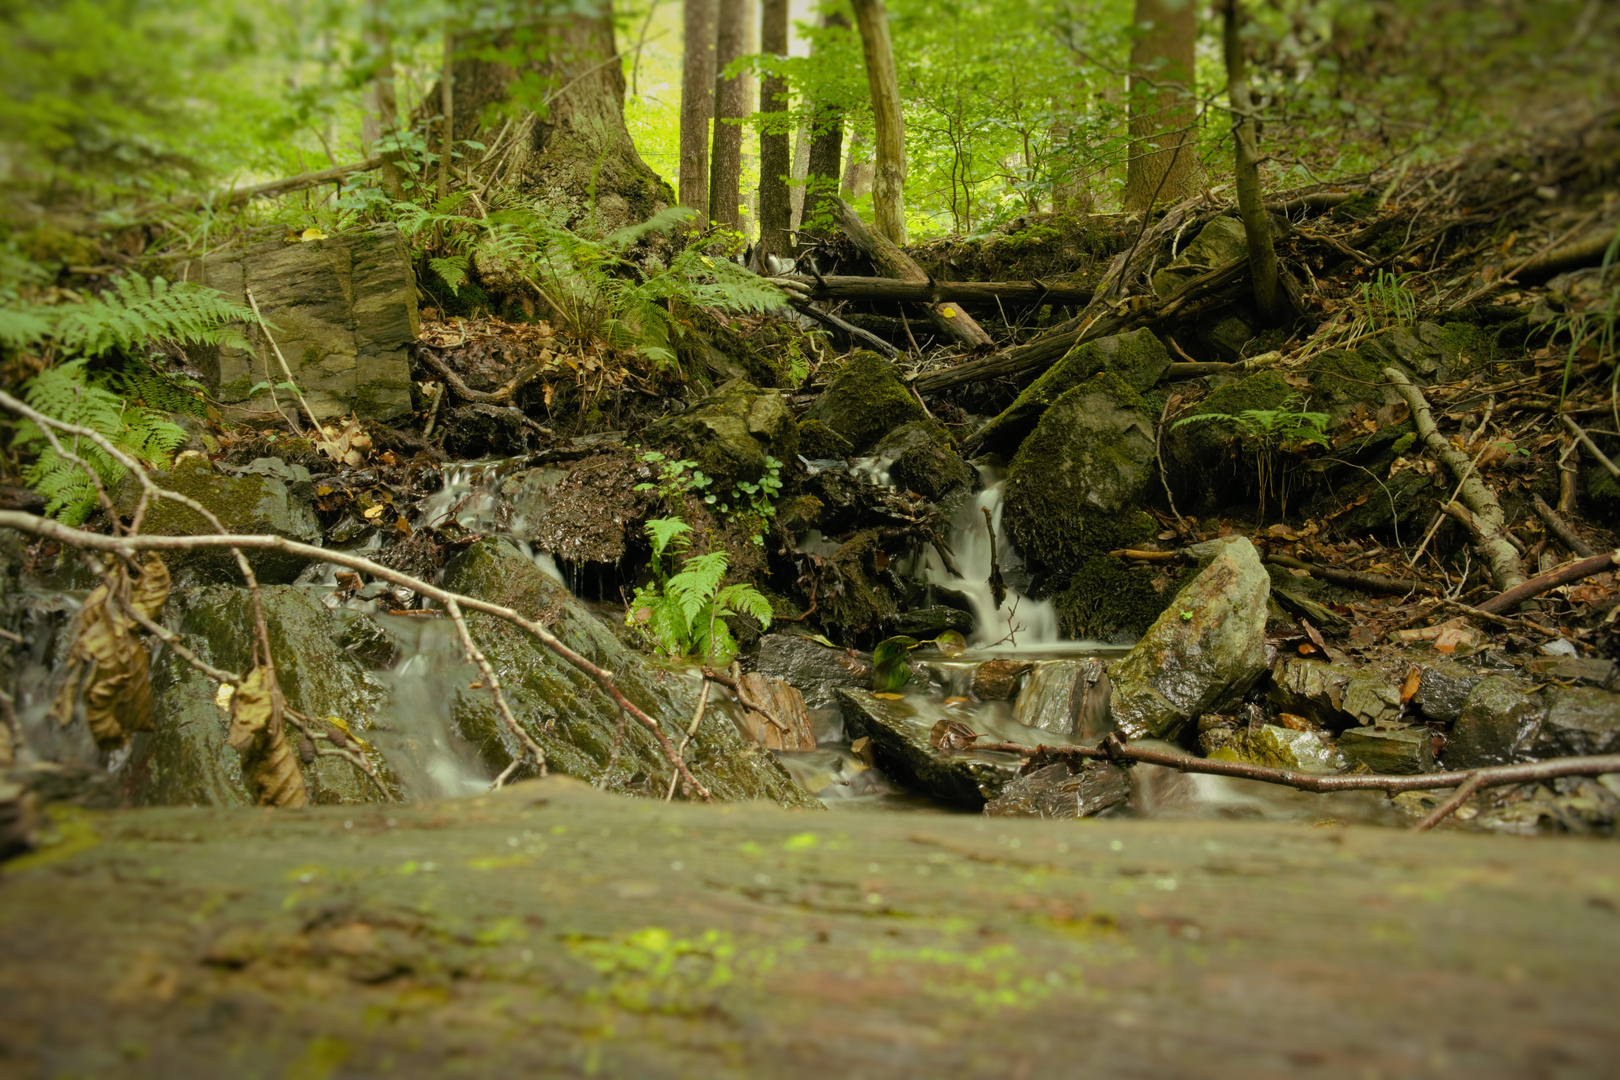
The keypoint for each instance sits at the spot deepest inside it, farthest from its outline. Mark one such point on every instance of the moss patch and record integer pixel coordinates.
(1204, 459)
(817, 440)
(866, 401)
(1106, 601)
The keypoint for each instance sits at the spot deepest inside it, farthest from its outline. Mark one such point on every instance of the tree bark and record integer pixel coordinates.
(826, 156)
(382, 118)
(801, 169)
(1256, 222)
(888, 121)
(775, 160)
(857, 169)
(1163, 166)
(697, 102)
(730, 103)
(946, 315)
(571, 149)
(447, 109)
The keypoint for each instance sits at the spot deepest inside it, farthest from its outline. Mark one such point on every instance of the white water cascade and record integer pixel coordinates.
(1019, 622)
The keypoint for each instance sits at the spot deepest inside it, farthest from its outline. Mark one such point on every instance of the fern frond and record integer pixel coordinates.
(139, 310)
(743, 599)
(157, 389)
(22, 325)
(666, 219)
(663, 532)
(452, 271)
(693, 587)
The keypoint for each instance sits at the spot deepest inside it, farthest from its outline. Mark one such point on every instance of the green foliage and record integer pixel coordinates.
(675, 478)
(1271, 432)
(62, 393)
(753, 502)
(891, 668)
(135, 311)
(1389, 300)
(681, 614)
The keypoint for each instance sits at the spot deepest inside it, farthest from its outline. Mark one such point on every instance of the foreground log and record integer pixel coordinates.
(518, 930)
(948, 318)
(1552, 579)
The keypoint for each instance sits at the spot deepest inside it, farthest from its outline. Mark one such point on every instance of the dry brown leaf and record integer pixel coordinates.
(107, 667)
(1409, 687)
(258, 734)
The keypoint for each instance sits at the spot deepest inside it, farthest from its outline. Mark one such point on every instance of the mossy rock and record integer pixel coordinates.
(1465, 347)
(1341, 379)
(251, 504)
(1211, 462)
(818, 441)
(1139, 358)
(1077, 484)
(866, 401)
(1107, 601)
(720, 348)
(861, 602)
(1224, 339)
(923, 458)
(569, 714)
(730, 432)
(1216, 244)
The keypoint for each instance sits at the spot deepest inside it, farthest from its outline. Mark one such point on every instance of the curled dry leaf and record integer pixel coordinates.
(258, 733)
(953, 735)
(107, 666)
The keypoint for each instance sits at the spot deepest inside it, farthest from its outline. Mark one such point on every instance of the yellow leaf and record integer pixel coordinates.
(948, 312)
(372, 513)
(222, 696)
(890, 697)
(311, 233)
(107, 668)
(258, 734)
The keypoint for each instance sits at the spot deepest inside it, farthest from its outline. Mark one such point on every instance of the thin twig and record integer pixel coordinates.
(1586, 441)
(1464, 790)
(299, 394)
(697, 718)
(492, 682)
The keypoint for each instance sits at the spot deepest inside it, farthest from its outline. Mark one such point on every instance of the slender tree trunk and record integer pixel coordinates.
(775, 161)
(1163, 166)
(801, 169)
(826, 158)
(382, 114)
(697, 102)
(857, 168)
(889, 179)
(447, 107)
(730, 103)
(1256, 222)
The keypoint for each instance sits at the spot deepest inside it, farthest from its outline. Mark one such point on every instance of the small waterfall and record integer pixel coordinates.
(1033, 622)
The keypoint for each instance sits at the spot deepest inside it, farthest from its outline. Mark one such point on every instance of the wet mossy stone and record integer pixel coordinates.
(1204, 458)
(569, 714)
(186, 761)
(1138, 358)
(923, 458)
(817, 441)
(1108, 601)
(1076, 486)
(255, 503)
(730, 432)
(1216, 244)
(866, 400)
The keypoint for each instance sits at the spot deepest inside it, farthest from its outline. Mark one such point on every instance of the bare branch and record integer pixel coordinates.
(531, 748)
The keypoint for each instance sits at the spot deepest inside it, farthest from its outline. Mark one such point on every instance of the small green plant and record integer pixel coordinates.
(683, 614)
(675, 478)
(1389, 301)
(753, 502)
(1271, 432)
(891, 665)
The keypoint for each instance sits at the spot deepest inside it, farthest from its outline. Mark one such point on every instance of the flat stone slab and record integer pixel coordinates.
(555, 930)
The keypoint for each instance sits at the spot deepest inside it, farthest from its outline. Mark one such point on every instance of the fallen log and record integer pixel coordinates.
(1354, 579)
(844, 287)
(947, 317)
(222, 199)
(851, 332)
(1552, 579)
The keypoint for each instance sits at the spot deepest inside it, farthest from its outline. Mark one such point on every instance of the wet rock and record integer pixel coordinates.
(1334, 695)
(1586, 670)
(1204, 458)
(1370, 697)
(1278, 748)
(186, 761)
(1580, 720)
(1048, 699)
(921, 458)
(785, 723)
(818, 442)
(1217, 243)
(1076, 486)
(730, 433)
(815, 670)
(344, 309)
(862, 601)
(1204, 653)
(1056, 791)
(580, 513)
(1401, 751)
(1138, 358)
(996, 680)
(899, 742)
(19, 818)
(1495, 725)
(932, 621)
(1224, 338)
(865, 401)
(567, 712)
(478, 430)
(254, 503)
(1444, 687)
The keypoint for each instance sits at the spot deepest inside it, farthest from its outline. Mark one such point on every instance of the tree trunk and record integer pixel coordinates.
(1256, 222)
(381, 120)
(569, 147)
(447, 109)
(889, 180)
(697, 102)
(730, 103)
(775, 161)
(857, 169)
(801, 169)
(826, 158)
(1163, 166)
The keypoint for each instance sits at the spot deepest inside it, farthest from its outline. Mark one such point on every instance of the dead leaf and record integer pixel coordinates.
(258, 734)
(953, 735)
(1409, 687)
(107, 667)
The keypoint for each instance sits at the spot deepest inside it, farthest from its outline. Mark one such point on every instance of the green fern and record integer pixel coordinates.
(683, 614)
(157, 390)
(62, 393)
(139, 310)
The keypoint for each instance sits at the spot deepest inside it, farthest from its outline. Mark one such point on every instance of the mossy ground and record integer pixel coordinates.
(1106, 601)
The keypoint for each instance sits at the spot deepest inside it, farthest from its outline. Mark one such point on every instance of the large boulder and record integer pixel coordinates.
(1076, 487)
(569, 715)
(1495, 725)
(731, 432)
(866, 401)
(1110, 601)
(268, 496)
(1204, 653)
(1138, 358)
(343, 311)
(1580, 720)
